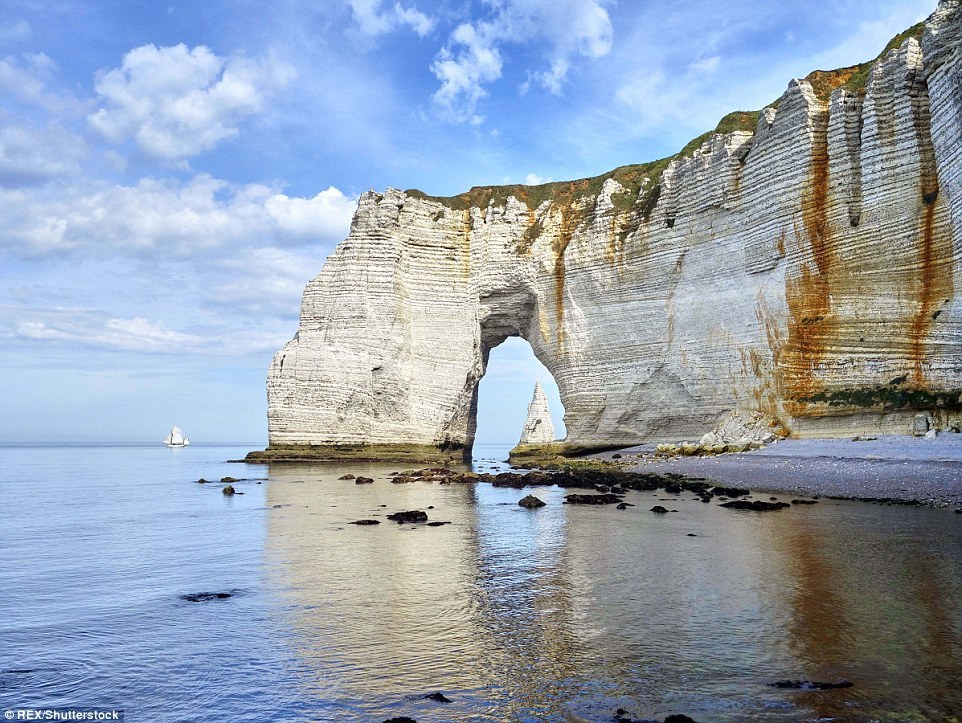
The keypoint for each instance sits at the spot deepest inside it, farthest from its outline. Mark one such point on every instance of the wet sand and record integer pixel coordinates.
(926, 471)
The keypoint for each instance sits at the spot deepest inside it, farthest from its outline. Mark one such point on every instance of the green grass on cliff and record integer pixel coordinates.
(570, 194)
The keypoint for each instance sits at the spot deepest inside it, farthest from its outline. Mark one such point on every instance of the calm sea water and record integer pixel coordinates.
(563, 613)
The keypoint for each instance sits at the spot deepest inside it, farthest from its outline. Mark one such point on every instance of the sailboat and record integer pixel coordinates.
(176, 438)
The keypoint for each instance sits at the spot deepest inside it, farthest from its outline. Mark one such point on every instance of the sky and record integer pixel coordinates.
(173, 173)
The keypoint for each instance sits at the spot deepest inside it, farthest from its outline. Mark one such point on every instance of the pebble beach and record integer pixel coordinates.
(904, 468)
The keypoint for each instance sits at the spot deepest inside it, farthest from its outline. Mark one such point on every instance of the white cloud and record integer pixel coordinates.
(31, 155)
(176, 102)
(463, 71)
(472, 56)
(166, 217)
(373, 20)
(15, 32)
(325, 216)
(706, 65)
(91, 328)
(265, 282)
(25, 78)
(97, 329)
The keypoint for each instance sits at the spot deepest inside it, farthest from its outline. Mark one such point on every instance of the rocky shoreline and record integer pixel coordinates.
(891, 469)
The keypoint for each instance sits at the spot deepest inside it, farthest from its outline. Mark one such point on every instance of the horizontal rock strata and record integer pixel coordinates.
(802, 262)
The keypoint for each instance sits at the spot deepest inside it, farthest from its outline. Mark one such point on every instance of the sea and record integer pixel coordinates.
(126, 585)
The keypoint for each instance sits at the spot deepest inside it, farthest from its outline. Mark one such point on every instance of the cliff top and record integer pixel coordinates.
(634, 178)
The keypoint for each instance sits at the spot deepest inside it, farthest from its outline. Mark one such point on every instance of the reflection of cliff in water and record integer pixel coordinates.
(580, 610)
(389, 611)
(877, 606)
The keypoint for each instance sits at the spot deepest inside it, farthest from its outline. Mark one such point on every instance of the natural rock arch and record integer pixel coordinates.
(803, 261)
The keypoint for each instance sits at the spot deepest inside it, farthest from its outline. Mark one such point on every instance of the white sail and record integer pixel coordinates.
(176, 438)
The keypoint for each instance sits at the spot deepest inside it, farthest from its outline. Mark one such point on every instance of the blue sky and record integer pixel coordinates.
(172, 174)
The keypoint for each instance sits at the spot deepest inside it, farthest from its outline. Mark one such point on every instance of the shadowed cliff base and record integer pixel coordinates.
(421, 453)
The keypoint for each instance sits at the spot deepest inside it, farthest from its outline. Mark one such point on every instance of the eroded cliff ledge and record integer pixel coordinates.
(803, 261)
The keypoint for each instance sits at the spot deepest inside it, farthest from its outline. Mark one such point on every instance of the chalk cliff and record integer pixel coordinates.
(803, 261)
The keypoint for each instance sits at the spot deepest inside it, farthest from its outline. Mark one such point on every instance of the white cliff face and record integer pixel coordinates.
(808, 268)
(538, 428)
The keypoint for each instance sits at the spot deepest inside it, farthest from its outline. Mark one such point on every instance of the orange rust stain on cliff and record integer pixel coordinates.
(569, 223)
(810, 323)
(935, 284)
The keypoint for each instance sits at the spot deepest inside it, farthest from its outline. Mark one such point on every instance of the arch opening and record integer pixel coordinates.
(503, 393)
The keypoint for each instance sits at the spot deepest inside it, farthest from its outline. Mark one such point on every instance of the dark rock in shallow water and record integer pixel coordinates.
(804, 502)
(624, 506)
(616, 456)
(678, 718)
(409, 516)
(228, 480)
(673, 489)
(363, 481)
(439, 697)
(692, 534)
(754, 505)
(531, 502)
(346, 476)
(401, 719)
(608, 499)
(365, 522)
(659, 510)
(809, 684)
(201, 481)
(730, 492)
(438, 523)
(206, 596)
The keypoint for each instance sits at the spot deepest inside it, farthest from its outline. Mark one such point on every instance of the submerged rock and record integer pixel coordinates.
(365, 522)
(606, 499)
(438, 523)
(207, 596)
(658, 510)
(531, 502)
(439, 697)
(411, 516)
(810, 684)
(346, 476)
(754, 505)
